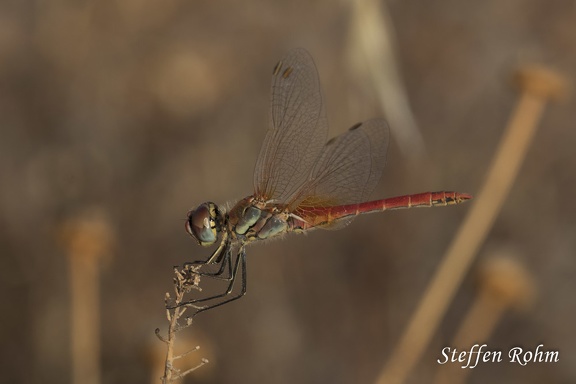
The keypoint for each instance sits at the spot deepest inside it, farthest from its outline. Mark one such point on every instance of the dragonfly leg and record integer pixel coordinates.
(225, 261)
(220, 257)
(241, 259)
(218, 253)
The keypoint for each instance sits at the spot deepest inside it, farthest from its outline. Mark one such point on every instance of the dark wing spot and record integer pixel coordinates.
(355, 126)
(277, 68)
(287, 72)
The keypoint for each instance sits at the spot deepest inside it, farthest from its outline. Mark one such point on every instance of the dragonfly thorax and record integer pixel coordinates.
(251, 220)
(205, 223)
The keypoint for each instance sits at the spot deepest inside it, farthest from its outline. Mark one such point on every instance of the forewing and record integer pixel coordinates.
(297, 129)
(348, 168)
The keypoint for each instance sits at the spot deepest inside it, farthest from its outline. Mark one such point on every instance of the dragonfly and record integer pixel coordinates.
(302, 181)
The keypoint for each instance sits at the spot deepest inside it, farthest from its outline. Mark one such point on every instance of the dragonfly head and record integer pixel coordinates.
(205, 223)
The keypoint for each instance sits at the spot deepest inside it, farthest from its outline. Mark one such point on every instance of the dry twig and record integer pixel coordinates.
(373, 60)
(537, 86)
(504, 284)
(88, 238)
(185, 280)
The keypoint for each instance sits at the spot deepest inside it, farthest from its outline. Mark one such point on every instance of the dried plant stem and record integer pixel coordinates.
(537, 86)
(185, 280)
(373, 60)
(504, 283)
(84, 288)
(169, 370)
(88, 239)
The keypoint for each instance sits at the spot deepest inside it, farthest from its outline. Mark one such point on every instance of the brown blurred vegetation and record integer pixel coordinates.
(146, 109)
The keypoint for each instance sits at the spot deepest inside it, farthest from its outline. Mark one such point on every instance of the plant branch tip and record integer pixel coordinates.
(541, 81)
(506, 280)
(187, 353)
(203, 362)
(157, 333)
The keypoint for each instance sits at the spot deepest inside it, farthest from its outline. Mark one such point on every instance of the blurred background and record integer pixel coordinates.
(136, 112)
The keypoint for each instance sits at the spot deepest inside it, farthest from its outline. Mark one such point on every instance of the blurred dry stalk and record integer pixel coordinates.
(88, 239)
(156, 355)
(504, 284)
(185, 280)
(537, 86)
(373, 62)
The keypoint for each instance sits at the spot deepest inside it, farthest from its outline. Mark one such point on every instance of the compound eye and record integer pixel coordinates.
(202, 224)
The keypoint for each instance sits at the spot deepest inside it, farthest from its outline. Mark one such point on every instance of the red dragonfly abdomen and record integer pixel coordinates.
(326, 216)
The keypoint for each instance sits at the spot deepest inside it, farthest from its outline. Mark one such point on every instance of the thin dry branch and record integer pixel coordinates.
(537, 85)
(185, 280)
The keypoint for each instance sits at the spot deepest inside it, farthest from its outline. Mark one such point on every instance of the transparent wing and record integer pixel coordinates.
(297, 130)
(348, 168)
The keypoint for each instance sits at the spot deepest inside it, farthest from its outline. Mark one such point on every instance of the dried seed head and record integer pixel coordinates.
(503, 277)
